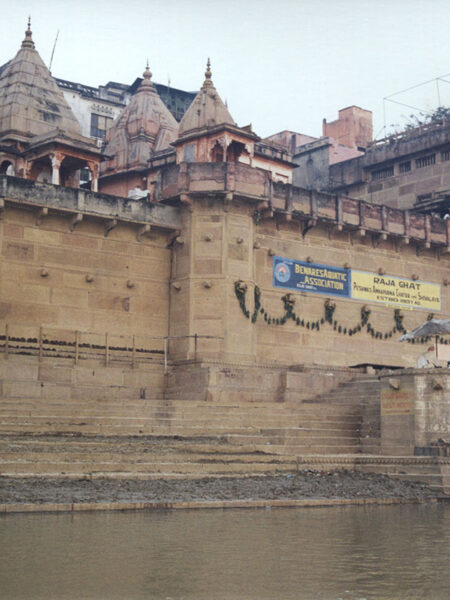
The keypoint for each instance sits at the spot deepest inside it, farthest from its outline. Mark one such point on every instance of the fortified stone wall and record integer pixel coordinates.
(93, 268)
(232, 237)
(96, 264)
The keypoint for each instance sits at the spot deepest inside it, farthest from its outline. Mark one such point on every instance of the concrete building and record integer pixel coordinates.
(342, 140)
(406, 170)
(401, 171)
(200, 273)
(97, 107)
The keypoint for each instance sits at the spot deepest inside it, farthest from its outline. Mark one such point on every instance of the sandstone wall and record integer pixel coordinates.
(223, 244)
(415, 410)
(63, 280)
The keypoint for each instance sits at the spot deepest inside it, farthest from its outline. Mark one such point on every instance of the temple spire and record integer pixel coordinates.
(208, 72)
(147, 74)
(28, 40)
(146, 84)
(207, 110)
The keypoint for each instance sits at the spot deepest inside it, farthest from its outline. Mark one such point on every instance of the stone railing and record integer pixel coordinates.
(308, 206)
(76, 201)
(107, 348)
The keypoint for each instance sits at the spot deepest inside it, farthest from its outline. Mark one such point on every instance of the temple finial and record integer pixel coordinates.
(208, 70)
(147, 74)
(28, 41)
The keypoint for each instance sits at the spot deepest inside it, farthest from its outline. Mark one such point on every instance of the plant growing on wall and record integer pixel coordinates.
(288, 302)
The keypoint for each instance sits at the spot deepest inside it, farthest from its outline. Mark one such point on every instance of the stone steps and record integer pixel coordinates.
(244, 435)
(246, 424)
(24, 456)
(280, 421)
(74, 469)
(281, 414)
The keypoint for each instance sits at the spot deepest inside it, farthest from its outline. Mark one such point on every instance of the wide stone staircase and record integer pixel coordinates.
(208, 421)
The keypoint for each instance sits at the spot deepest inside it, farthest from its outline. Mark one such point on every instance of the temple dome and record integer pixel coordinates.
(31, 103)
(144, 127)
(207, 110)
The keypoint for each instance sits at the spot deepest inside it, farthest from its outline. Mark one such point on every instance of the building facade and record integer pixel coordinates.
(199, 236)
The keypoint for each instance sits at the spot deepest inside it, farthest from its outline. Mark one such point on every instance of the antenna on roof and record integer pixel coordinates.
(53, 51)
(168, 88)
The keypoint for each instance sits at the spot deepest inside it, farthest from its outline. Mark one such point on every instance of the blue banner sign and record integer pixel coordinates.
(311, 277)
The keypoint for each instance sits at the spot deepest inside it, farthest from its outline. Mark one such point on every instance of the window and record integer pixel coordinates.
(445, 155)
(425, 161)
(405, 167)
(382, 173)
(99, 125)
(424, 197)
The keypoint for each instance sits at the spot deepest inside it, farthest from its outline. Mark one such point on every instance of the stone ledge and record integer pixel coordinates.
(27, 193)
(353, 459)
(222, 504)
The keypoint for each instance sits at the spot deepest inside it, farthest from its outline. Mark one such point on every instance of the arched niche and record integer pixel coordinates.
(6, 168)
(41, 170)
(234, 150)
(217, 152)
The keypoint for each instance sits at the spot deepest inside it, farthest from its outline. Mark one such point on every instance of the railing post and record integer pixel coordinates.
(106, 351)
(76, 347)
(40, 344)
(6, 341)
(165, 354)
(133, 353)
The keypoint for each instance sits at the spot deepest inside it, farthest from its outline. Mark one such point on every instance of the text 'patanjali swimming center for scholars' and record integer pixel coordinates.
(346, 283)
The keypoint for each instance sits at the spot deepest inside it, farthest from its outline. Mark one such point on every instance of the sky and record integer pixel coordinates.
(279, 64)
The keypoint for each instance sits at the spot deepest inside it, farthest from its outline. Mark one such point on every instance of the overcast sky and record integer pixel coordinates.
(280, 64)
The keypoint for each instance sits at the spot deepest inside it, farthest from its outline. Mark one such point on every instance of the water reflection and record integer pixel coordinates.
(280, 554)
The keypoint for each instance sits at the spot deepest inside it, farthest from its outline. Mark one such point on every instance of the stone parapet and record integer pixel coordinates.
(27, 193)
(308, 206)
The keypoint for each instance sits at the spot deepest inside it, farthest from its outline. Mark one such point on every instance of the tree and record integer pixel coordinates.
(439, 116)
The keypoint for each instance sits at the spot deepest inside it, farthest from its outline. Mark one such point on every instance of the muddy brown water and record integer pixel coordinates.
(349, 553)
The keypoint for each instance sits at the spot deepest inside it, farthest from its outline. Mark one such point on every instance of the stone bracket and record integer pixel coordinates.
(75, 220)
(109, 226)
(227, 201)
(41, 215)
(401, 241)
(175, 238)
(142, 231)
(422, 248)
(187, 201)
(439, 251)
(308, 225)
(357, 234)
(377, 238)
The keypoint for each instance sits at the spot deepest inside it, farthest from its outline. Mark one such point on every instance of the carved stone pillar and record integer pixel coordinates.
(93, 169)
(56, 159)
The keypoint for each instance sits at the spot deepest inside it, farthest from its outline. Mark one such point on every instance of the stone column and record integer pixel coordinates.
(56, 159)
(93, 168)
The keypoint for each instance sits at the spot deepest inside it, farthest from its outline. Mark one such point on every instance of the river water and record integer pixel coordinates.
(350, 553)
